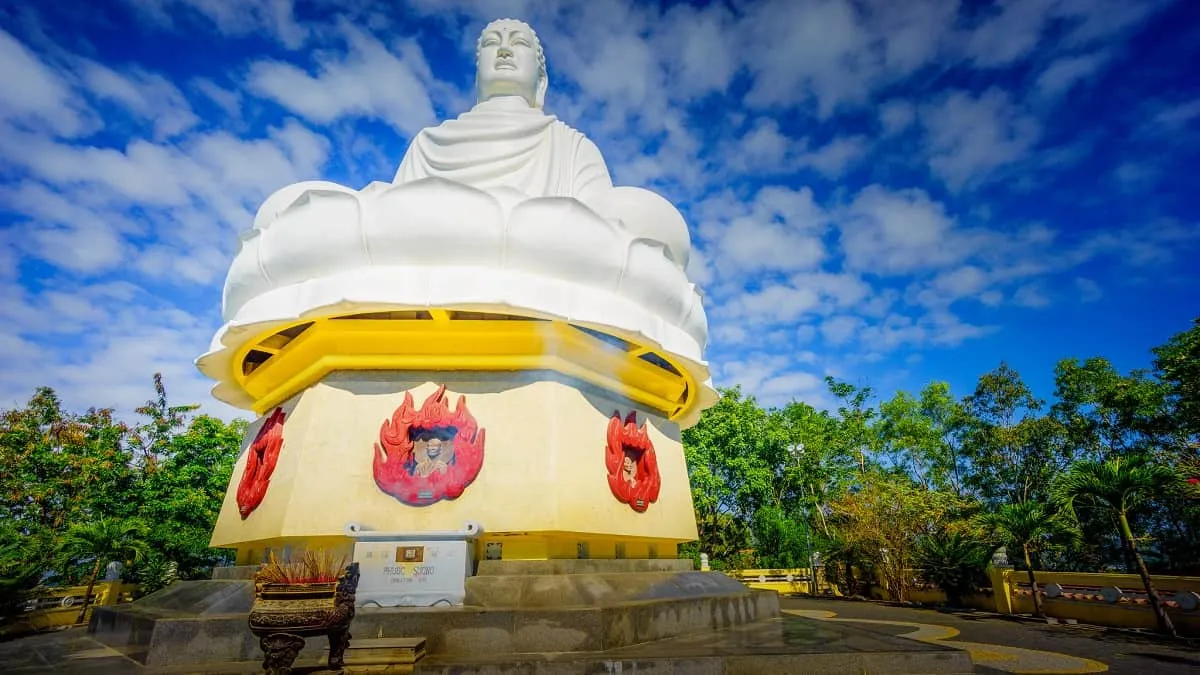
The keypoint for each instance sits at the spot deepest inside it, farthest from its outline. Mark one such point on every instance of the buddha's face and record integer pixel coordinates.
(507, 63)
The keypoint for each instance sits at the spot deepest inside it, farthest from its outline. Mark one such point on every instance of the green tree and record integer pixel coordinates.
(728, 474)
(1032, 528)
(58, 468)
(1107, 414)
(152, 439)
(781, 540)
(856, 418)
(102, 541)
(1013, 450)
(924, 436)
(182, 498)
(1116, 487)
(884, 519)
(1177, 364)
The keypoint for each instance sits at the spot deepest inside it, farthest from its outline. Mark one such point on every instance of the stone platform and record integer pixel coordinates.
(547, 616)
(515, 607)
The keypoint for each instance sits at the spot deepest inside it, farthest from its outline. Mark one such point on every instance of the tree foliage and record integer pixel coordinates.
(67, 478)
(922, 480)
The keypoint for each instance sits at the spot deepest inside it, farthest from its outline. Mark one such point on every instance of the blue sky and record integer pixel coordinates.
(887, 192)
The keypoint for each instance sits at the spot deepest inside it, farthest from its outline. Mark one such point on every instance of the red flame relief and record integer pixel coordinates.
(632, 467)
(429, 454)
(260, 463)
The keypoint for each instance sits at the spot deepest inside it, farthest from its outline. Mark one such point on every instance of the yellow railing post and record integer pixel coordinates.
(1001, 578)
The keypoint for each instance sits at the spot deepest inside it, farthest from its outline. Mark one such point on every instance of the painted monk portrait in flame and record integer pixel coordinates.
(632, 465)
(428, 454)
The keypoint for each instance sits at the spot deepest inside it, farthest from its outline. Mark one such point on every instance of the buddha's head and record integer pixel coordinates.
(509, 62)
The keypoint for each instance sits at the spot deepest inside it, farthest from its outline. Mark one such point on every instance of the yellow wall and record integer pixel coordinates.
(543, 475)
(1010, 595)
(776, 580)
(54, 615)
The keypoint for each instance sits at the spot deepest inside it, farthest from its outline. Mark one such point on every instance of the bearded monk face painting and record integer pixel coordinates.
(433, 450)
(629, 467)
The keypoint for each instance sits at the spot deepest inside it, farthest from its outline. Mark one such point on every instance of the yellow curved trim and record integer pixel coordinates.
(443, 342)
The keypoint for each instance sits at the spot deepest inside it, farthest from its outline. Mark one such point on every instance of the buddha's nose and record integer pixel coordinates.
(504, 52)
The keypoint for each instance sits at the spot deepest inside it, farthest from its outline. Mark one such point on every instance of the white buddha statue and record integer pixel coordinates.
(507, 146)
(504, 210)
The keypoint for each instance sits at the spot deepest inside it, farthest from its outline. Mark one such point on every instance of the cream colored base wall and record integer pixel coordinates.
(542, 490)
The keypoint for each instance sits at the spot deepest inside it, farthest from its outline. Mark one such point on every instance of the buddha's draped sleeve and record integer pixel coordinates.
(592, 178)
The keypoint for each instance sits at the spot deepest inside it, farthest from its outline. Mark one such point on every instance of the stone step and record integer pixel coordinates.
(385, 651)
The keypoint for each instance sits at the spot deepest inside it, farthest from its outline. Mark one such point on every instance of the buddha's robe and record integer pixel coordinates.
(504, 143)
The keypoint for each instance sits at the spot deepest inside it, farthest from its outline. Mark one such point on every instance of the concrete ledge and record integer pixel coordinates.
(595, 590)
(488, 631)
(234, 572)
(584, 566)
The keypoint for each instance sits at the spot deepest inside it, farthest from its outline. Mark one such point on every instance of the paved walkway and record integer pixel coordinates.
(997, 645)
(1002, 645)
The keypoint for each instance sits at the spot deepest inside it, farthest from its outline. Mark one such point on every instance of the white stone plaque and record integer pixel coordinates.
(411, 573)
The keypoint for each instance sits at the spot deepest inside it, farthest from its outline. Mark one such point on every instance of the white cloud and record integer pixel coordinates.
(230, 17)
(896, 116)
(840, 329)
(147, 95)
(773, 304)
(885, 232)
(969, 137)
(1178, 116)
(1061, 75)
(763, 148)
(1010, 33)
(833, 158)
(951, 285)
(229, 100)
(368, 81)
(1088, 290)
(34, 96)
(121, 335)
(837, 52)
(779, 229)
(1031, 295)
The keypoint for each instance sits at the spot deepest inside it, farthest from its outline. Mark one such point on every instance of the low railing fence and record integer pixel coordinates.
(1176, 593)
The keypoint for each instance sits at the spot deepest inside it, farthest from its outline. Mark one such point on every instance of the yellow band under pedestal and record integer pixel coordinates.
(278, 365)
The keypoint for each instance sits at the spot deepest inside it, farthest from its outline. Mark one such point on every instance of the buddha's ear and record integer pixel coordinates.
(540, 97)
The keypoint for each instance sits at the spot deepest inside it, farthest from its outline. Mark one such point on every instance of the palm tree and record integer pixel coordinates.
(103, 540)
(1118, 486)
(1031, 527)
(954, 563)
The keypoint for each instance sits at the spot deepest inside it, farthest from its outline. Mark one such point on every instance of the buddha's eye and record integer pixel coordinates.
(490, 42)
(521, 41)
